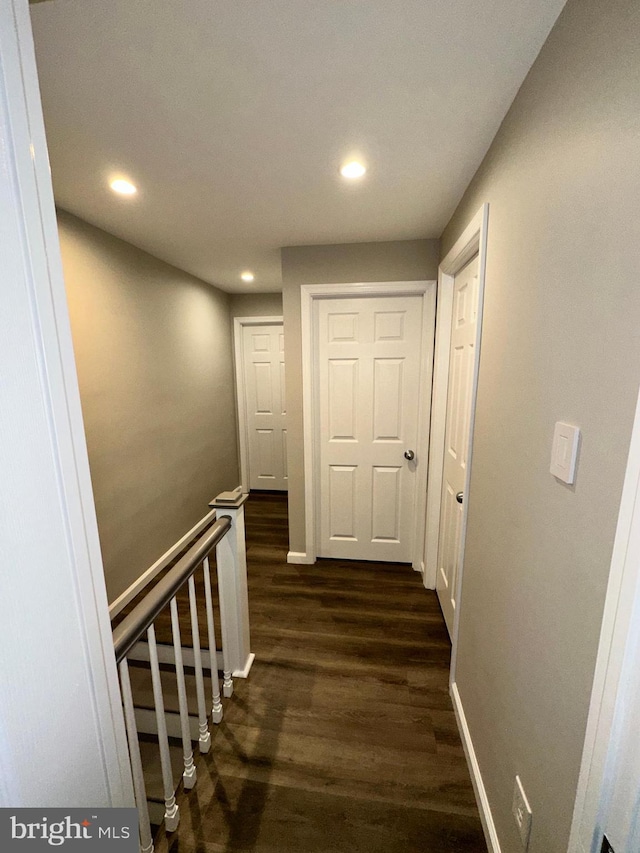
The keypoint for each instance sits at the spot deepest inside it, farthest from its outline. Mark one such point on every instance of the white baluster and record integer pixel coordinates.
(171, 811)
(189, 775)
(146, 839)
(205, 735)
(216, 709)
(227, 680)
(226, 620)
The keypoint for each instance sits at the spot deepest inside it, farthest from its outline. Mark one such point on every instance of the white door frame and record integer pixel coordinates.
(309, 294)
(243, 435)
(473, 240)
(620, 627)
(45, 455)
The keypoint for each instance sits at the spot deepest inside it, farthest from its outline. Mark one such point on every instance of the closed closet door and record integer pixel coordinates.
(265, 406)
(368, 382)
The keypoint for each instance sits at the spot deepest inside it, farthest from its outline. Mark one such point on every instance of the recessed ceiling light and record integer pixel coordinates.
(247, 276)
(123, 187)
(353, 170)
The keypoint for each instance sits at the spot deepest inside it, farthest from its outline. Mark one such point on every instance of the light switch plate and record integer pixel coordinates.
(522, 812)
(564, 452)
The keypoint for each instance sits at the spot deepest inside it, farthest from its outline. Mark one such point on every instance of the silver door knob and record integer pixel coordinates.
(409, 454)
(460, 497)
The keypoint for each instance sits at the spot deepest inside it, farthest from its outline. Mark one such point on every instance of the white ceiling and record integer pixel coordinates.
(233, 116)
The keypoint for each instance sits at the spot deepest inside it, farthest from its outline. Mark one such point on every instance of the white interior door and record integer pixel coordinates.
(368, 384)
(460, 386)
(265, 407)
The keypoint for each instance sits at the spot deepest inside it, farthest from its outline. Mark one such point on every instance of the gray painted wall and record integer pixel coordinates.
(403, 260)
(561, 341)
(255, 304)
(153, 351)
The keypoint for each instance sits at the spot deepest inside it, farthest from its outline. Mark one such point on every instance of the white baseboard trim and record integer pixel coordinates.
(488, 826)
(300, 558)
(244, 673)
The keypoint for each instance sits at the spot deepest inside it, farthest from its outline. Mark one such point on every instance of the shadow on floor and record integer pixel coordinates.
(343, 739)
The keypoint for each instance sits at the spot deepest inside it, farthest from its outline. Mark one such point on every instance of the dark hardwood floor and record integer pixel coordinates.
(344, 737)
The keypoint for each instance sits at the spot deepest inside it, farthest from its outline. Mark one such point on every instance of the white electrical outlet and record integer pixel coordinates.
(521, 812)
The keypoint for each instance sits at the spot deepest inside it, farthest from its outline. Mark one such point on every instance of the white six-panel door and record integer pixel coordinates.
(461, 367)
(265, 406)
(368, 381)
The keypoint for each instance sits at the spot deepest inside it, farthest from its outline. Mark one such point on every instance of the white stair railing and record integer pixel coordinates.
(231, 560)
(226, 535)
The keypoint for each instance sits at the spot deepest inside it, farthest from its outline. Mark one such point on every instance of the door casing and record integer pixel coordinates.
(617, 654)
(472, 241)
(45, 452)
(309, 294)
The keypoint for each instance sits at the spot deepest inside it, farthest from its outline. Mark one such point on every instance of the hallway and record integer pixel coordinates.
(343, 738)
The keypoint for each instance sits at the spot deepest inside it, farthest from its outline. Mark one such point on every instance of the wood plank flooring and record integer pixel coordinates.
(343, 738)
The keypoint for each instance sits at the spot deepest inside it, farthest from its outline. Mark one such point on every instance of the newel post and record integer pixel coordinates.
(231, 560)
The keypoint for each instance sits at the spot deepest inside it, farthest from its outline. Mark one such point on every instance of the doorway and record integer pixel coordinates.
(457, 357)
(367, 361)
(457, 431)
(262, 415)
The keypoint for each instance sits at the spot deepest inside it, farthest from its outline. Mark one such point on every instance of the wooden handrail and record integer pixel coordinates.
(167, 559)
(133, 626)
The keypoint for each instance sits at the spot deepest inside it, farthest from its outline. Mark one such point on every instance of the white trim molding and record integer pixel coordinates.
(54, 750)
(243, 438)
(299, 558)
(486, 817)
(620, 625)
(167, 654)
(246, 669)
(472, 241)
(309, 295)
